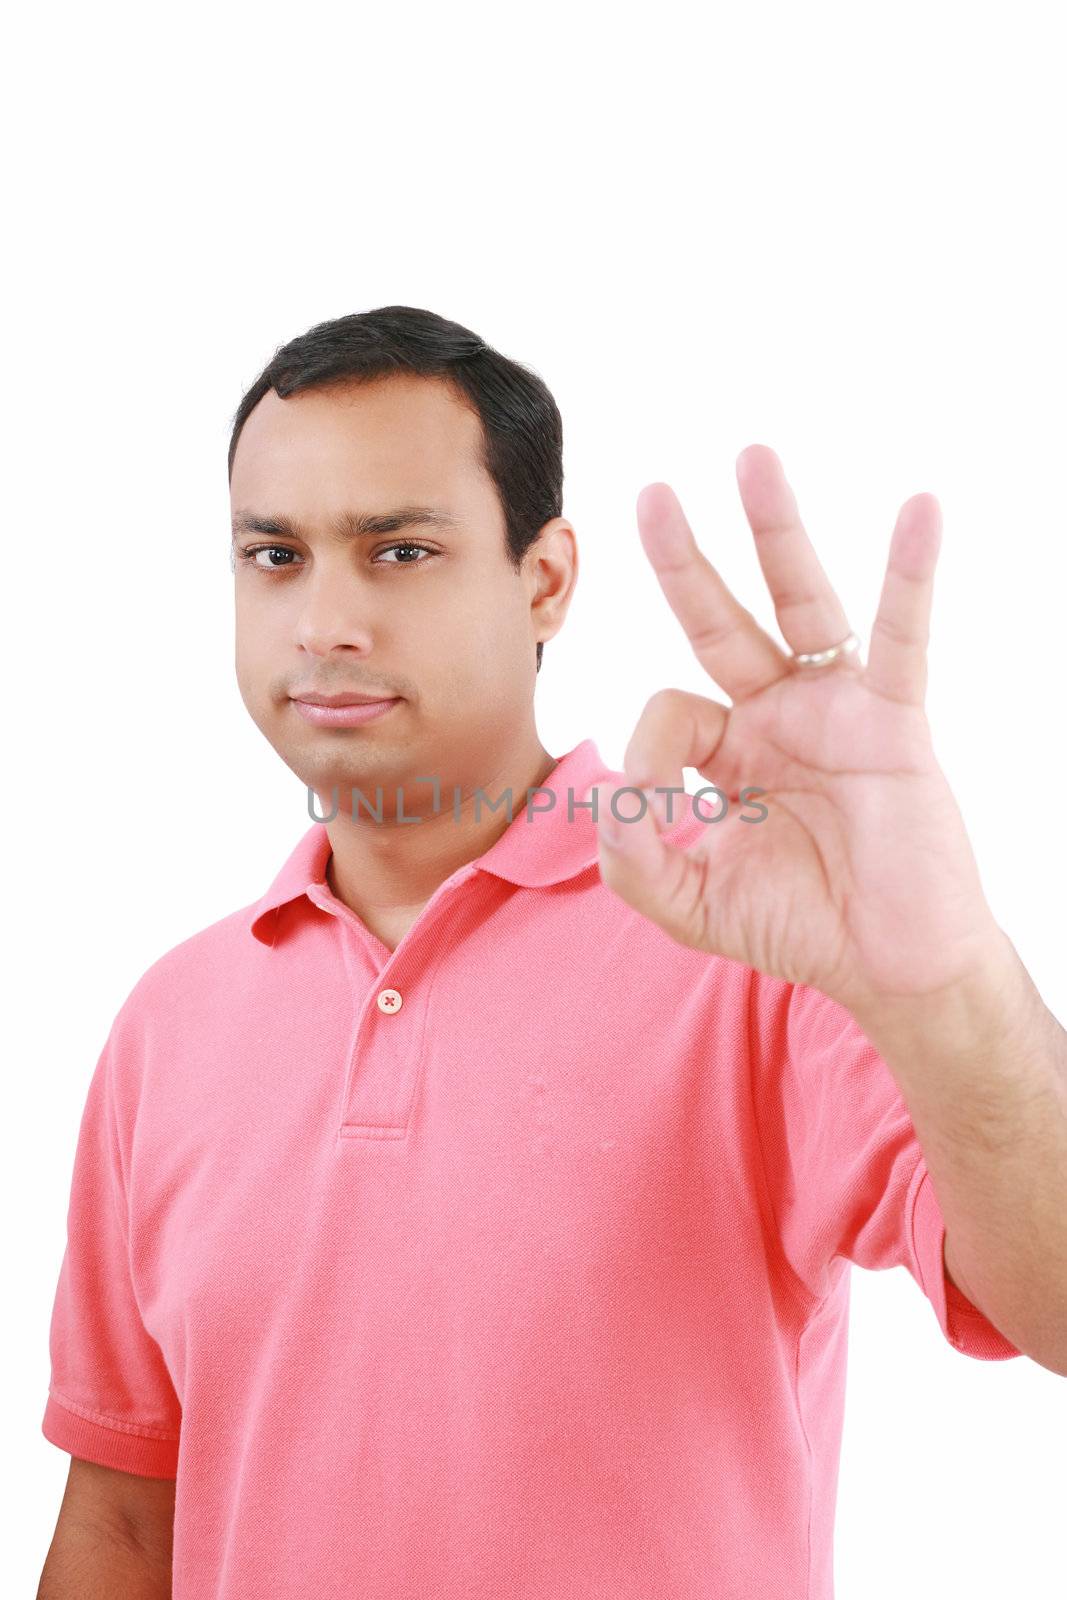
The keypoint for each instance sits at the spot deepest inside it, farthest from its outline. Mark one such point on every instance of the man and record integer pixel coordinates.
(472, 1214)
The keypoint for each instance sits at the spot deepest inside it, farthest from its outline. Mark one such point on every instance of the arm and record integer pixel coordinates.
(860, 882)
(983, 1069)
(113, 1537)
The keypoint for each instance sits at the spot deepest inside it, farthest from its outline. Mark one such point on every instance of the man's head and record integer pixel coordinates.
(360, 417)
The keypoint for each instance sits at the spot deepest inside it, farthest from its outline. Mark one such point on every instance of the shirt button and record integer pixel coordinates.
(390, 1000)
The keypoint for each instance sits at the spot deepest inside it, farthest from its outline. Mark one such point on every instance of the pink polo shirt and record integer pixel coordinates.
(510, 1263)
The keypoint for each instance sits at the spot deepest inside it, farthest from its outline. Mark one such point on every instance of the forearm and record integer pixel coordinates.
(983, 1071)
(92, 1563)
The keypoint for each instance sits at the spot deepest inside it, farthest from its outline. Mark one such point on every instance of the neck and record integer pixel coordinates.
(394, 866)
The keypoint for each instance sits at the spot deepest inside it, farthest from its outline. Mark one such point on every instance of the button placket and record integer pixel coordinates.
(383, 1067)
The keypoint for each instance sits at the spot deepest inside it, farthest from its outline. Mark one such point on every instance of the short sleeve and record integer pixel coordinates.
(110, 1398)
(845, 1175)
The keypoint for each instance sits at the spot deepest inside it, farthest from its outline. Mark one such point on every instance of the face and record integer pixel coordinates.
(431, 614)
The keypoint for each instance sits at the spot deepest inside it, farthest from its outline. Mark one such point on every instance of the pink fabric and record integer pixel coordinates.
(533, 1286)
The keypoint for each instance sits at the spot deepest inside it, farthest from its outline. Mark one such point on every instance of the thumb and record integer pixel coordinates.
(661, 881)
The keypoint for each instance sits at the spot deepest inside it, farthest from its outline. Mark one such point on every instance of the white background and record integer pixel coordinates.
(837, 230)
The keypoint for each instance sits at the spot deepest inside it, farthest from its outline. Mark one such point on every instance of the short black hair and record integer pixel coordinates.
(522, 431)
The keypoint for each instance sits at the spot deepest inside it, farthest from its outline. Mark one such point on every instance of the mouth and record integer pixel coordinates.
(354, 698)
(341, 710)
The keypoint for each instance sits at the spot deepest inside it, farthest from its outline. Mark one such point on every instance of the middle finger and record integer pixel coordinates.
(728, 641)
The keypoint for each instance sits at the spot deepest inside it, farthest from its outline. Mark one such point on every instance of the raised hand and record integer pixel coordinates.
(860, 880)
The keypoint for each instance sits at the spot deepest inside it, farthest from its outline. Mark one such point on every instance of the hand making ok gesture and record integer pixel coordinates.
(860, 880)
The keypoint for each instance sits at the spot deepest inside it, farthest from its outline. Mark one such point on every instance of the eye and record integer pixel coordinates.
(287, 562)
(405, 544)
(255, 550)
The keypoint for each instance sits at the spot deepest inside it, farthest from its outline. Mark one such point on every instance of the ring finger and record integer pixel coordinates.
(809, 612)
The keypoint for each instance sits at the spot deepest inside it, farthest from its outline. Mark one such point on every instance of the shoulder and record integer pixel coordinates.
(183, 978)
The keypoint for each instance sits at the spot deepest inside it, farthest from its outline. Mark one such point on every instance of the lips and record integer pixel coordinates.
(343, 711)
(343, 699)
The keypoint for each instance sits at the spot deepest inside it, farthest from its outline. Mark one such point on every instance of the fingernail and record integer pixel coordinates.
(608, 824)
(658, 802)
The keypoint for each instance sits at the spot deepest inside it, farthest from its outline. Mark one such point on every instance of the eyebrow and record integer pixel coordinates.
(349, 524)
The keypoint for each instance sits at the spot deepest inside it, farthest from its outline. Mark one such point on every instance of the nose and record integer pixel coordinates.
(333, 614)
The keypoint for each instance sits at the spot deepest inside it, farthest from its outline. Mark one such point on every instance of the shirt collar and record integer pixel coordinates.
(545, 847)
